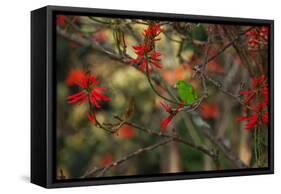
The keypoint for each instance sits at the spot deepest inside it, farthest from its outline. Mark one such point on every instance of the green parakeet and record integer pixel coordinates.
(186, 92)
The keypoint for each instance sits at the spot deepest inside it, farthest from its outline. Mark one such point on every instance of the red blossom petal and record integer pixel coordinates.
(165, 123)
(148, 71)
(246, 92)
(100, 96)
(138, 47)
(92, 118)
(251, 121)
(249, 97)
(156, 65)
(94, 101)
(80, 96)
(75, 95)
(265, 117)
(143, 65)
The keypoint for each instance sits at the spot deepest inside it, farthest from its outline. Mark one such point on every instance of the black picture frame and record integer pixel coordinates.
(43, 92)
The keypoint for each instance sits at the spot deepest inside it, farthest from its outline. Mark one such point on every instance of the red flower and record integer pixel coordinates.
(251, 121)
(152, 31)
(265, 117)
(89, 91)
(147, 56)
(74, 76)
(254, 119)
(256, 100)
(259, 86)
(257, 37)
(209, 110)
(260, 82)
(126, 132)
(164, 123)
(60, 19)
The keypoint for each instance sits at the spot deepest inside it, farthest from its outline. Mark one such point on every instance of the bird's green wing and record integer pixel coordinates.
(186, 92)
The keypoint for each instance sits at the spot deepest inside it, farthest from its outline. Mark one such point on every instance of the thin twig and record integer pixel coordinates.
(241, 51)
(157, 93)
(208, 45)
(219, 85)
(133, 34)
(228, 45)
(235, 161)
(175, 137)
(172, 39)
(101, 171)
(100, 21)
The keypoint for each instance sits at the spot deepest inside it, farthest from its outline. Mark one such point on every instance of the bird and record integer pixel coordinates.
(186, 92)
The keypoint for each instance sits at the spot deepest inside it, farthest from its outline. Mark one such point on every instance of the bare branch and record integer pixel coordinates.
(175, 137)
(227, 152)
(241, 51)
(101, 171)
(232, 42)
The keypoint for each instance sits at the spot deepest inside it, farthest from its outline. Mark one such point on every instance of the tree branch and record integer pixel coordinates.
(102, 170)
(241, 51)
(175, 137)
(207, 131)
(233, 40)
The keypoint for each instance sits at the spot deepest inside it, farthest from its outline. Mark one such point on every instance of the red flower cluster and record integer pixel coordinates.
(60, 19)
(88, 90)
(256, 100)
(147, 56)
(164, 123)
(257, 37)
